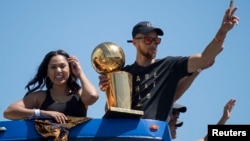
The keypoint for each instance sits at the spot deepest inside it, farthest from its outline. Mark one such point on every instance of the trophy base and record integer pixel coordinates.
(115, 112)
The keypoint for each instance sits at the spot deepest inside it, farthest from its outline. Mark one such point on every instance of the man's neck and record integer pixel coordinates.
(144, 62)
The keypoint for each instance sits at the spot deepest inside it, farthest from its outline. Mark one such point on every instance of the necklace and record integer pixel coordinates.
(60, 97)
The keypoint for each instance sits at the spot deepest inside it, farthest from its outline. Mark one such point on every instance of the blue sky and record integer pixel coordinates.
(29, 29)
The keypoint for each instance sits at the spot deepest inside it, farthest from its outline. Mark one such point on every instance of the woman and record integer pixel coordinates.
(62, 97)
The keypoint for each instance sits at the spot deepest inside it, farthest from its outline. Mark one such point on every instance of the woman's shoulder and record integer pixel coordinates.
(35, 98)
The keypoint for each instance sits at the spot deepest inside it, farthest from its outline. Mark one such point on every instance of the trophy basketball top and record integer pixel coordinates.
(107, 57)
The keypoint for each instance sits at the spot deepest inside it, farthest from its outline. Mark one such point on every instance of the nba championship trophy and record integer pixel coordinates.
(108, 59)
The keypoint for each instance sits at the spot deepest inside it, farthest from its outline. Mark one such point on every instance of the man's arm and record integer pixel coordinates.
(207, 57)
(184, 84)
(226, 114)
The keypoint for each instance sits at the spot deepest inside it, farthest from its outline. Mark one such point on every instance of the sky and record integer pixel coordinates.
(29, 29)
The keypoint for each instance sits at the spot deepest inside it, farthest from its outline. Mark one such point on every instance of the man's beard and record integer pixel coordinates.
(146, 54)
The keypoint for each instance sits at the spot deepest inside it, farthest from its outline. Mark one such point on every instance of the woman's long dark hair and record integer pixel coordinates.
(40, 80)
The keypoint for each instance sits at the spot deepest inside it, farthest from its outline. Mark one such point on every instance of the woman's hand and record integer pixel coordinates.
(75, 66)
(59, 117)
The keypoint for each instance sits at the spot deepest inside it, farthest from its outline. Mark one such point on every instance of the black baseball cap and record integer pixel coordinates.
(145, 27)
(179, 107)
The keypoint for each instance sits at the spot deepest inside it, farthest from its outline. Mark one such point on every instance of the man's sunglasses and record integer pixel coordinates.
(149, 40)
(175, 112)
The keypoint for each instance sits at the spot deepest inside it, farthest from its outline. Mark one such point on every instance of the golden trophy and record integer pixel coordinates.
(108, 58)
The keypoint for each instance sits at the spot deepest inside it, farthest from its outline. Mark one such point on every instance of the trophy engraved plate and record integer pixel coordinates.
(108, 59)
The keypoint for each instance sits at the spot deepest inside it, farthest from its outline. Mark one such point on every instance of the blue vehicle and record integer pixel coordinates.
(102, 129)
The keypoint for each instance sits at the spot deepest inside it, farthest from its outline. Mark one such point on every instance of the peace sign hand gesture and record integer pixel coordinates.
(229, 19)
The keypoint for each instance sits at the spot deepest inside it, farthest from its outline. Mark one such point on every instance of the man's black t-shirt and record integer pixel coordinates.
(154, 86)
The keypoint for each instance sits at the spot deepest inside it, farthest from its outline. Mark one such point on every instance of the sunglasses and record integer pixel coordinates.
(175, 112)
(149, 40)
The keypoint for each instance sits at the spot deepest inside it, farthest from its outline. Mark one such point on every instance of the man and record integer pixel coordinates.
(156, 82)
(173, 121)
(176, 110)
(174, 127)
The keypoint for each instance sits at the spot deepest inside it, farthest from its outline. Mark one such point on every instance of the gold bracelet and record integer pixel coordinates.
(199, 70)
(218, 40)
